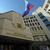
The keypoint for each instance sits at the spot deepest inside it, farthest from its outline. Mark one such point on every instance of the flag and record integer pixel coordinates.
(25, 13)
(28, 8)
(26, 2)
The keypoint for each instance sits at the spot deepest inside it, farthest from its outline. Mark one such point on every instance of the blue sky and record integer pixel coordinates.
(18, 5)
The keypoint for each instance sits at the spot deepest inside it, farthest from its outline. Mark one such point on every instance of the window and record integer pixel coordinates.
(45, 20)
(34, 17)
(49, 10)
(27, 25)
(31, 21)
(41, 15)
(35, 28)
(38, 28)
(45, 9)
(25, 21)
(27, 18)
(30, 24)
(38, 23)
(31, 17)
(48, 24)
(41, 28)
(32, 28)
(33, 24)
(36, 20)
(48, 28)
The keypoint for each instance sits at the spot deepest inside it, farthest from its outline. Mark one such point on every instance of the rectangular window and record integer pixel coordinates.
(38, 23)
(31, 21)
(32, 28)
(27, 18)
(35, 28)
(36, 20)
(31, 17)
(38, 28)
(33, 24)
(34, 17)
(41, 28)
(30, 24)
(27, 25)
(48, 28)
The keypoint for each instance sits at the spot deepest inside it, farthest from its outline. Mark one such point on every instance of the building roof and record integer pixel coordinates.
(11, 11)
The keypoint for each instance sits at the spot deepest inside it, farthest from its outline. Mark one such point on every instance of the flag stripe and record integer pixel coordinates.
(28, 8)
(26, 2)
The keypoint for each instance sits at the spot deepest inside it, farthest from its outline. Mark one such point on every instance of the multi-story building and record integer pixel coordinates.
(34, 31)
(13, 32)
(36, 26)
(46, 6)
(38, 29)
(44, 14)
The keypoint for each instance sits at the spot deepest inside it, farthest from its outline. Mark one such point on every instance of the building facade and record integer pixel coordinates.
(44, 14)
(36, 26)
(13, 32)
(39, 30)
(45, 17)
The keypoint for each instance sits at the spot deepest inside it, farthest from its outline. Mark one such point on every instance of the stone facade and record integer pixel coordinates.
(12, 25)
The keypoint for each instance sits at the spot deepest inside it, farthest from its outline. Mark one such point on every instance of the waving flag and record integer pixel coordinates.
(25, 13)
(26, 3)
(28, 8)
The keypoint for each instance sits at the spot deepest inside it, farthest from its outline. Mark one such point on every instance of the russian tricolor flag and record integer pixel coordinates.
(28, 8)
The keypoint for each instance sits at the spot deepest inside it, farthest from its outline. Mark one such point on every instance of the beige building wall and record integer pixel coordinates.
(38, 33)
(12, 25)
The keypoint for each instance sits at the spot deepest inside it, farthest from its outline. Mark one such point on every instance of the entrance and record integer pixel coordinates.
(7, 43)
(12, 47)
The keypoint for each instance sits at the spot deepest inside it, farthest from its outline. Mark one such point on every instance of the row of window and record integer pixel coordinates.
(40, 38)
(29, 18)
(6, 47)
(34, 28)
(44, 19)
(31, 21)
(32, 24)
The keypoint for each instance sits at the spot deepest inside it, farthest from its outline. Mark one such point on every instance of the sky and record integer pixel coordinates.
(18, 5)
